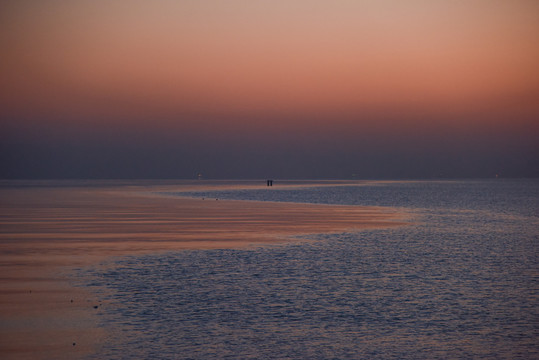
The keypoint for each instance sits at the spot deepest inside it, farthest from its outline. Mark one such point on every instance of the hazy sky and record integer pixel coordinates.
(256, 89)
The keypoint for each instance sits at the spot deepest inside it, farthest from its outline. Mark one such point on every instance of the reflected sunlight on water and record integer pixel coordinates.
(460, 283)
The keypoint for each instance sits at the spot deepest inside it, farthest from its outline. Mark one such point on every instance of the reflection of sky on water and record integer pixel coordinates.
(503, 196)
(461, 283)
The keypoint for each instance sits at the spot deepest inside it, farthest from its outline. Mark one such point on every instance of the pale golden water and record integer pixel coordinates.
(49, 228)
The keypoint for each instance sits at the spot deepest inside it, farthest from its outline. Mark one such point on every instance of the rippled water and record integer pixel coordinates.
(462, 282)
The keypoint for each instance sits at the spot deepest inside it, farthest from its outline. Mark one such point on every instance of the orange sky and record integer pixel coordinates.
(350, 64)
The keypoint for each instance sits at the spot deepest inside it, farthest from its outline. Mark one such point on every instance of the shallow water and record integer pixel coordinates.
(461, 282)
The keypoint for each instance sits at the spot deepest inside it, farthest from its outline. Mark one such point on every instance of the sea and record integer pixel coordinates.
(461, 281)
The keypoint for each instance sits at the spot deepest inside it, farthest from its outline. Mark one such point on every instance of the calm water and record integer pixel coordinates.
(462, 282)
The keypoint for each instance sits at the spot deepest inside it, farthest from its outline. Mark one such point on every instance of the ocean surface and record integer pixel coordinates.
(461, 282)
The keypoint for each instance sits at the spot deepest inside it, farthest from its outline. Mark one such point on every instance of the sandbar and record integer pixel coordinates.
(47, 232)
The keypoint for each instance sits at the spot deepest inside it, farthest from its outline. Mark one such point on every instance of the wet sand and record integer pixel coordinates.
(47, 232)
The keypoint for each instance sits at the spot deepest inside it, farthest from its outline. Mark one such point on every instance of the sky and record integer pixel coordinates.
(305, 89)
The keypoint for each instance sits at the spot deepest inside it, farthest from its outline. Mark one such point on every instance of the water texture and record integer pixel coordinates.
(462, 282)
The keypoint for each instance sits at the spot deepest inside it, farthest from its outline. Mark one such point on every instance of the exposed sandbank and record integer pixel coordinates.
(46, 232)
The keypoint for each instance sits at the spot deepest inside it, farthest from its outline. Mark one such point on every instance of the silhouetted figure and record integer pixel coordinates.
(269, 182)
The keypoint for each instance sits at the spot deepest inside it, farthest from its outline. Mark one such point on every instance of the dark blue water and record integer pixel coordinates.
(504, 196)
(462, 282)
